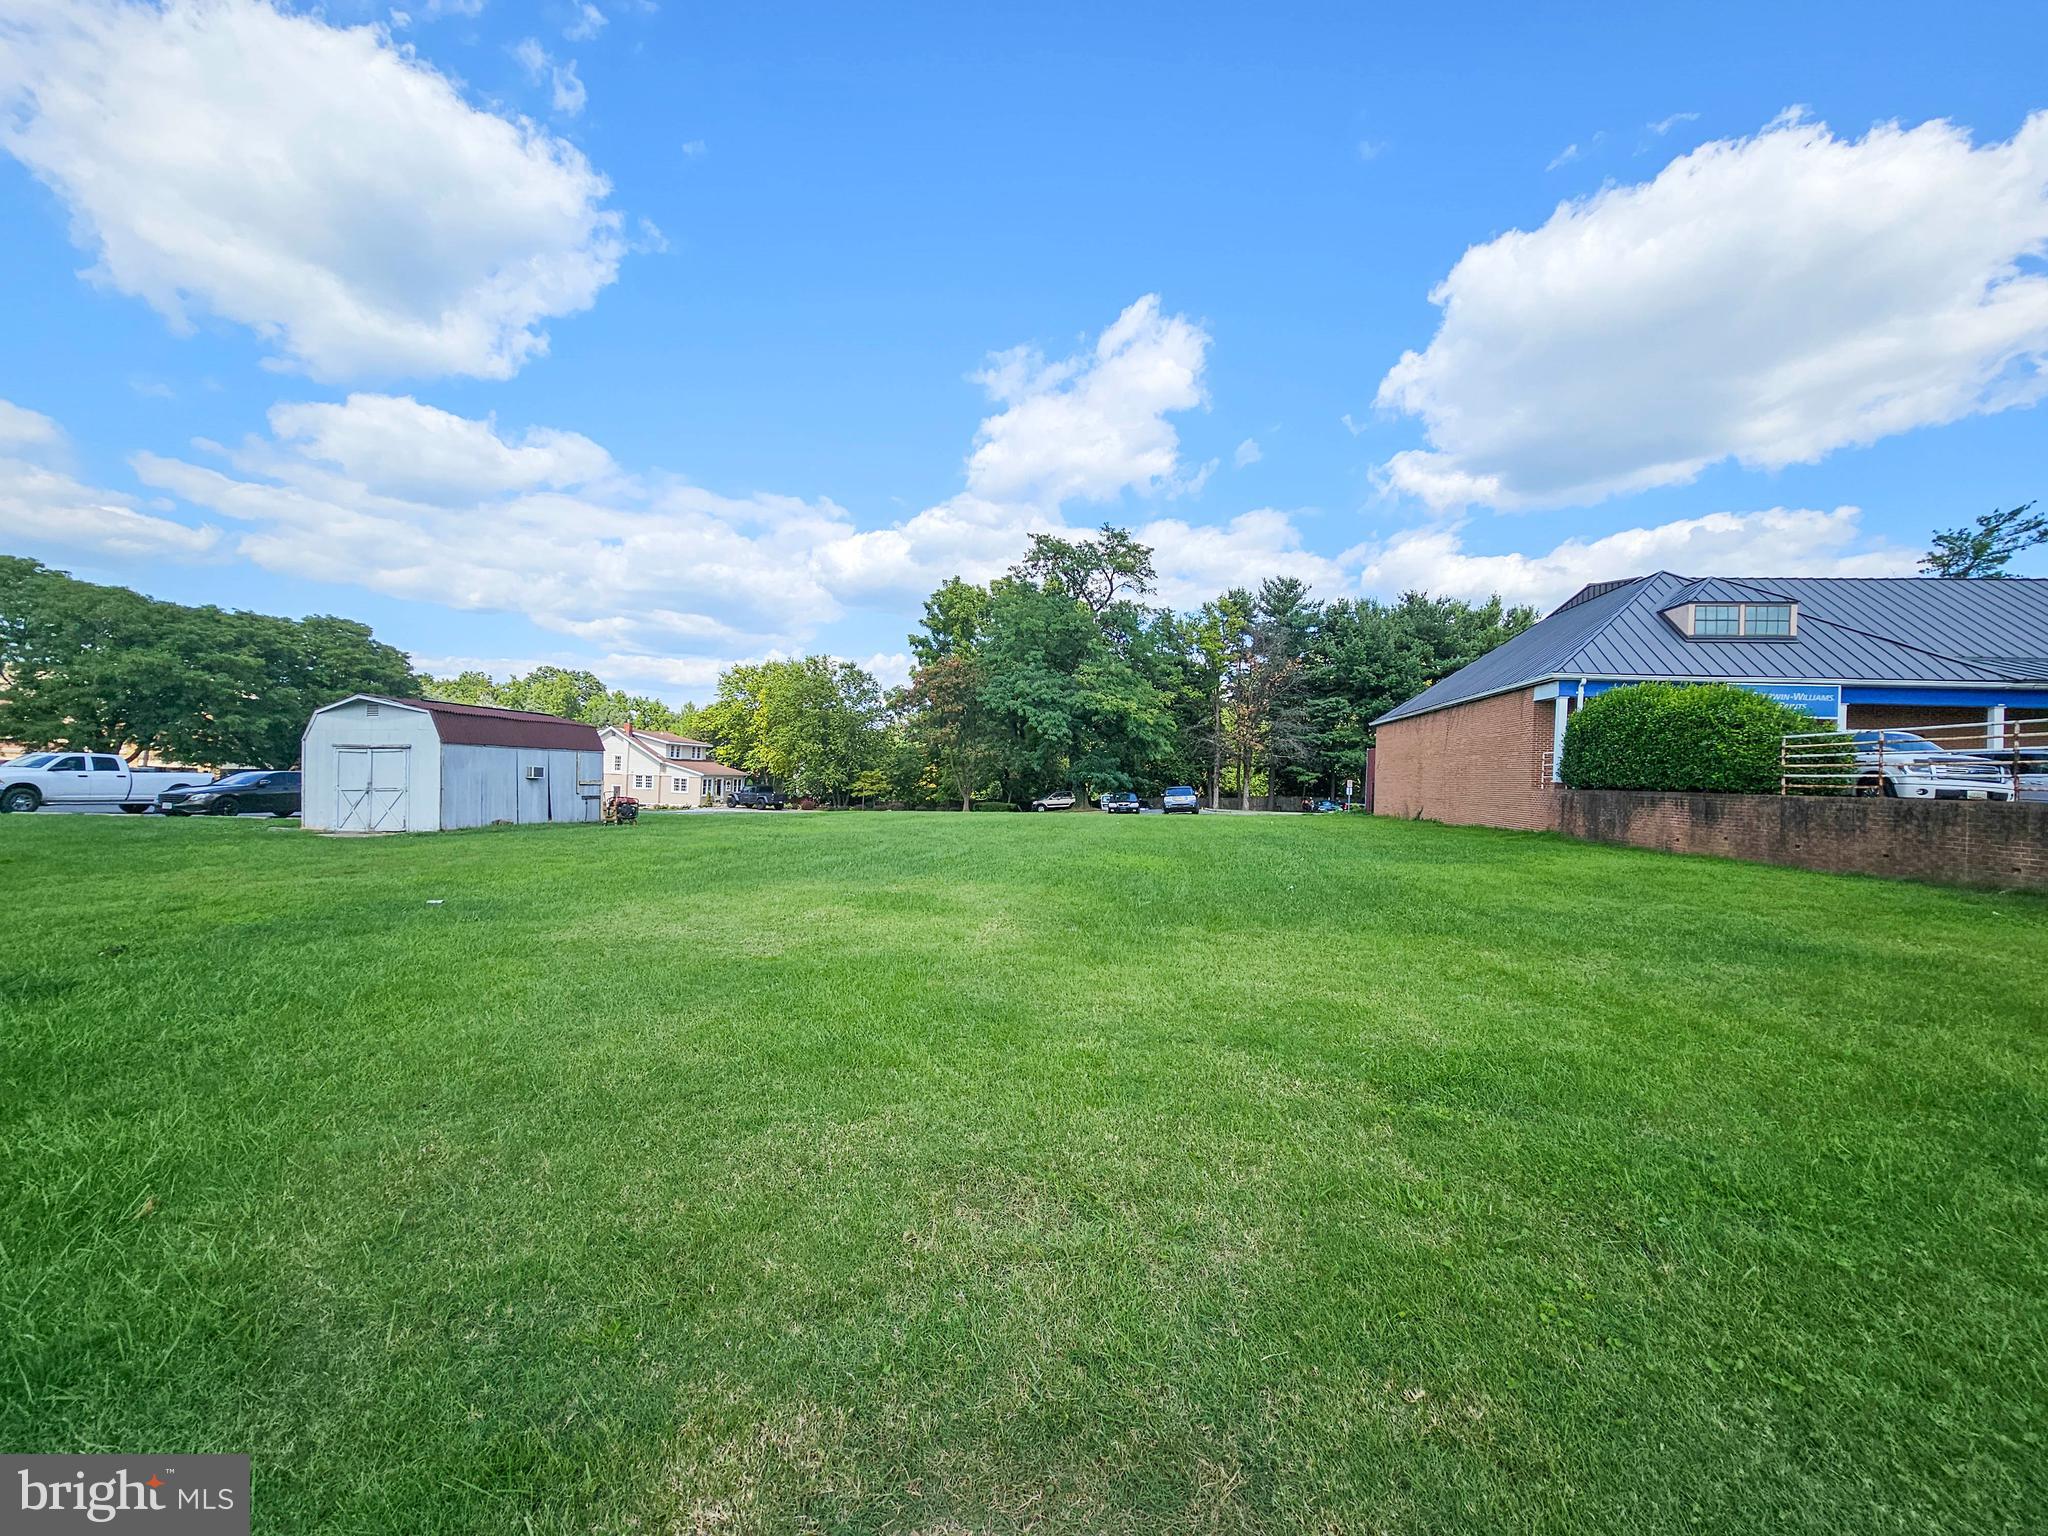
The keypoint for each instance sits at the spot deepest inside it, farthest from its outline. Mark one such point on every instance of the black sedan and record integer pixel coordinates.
(276, 794)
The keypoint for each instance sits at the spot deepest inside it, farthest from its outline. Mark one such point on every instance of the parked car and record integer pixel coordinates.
(1180, 797)
(751, 799)
(276, 793)
(1121, 800)
(2031, 765)
(1321, 807)
(1058, 800)
(88, 778)
(1910, 767)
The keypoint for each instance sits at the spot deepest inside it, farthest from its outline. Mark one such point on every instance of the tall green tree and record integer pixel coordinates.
(573, 694)
(1096, 572)
(1285, 619)
(1265, 708)
(1983, 549)
(1071, 704)
(1164, 650)
(1217, 646)
(104, 668)
(813, 725)
(954, 729)
(1368, 656)
(953, 617)
(1066, 677)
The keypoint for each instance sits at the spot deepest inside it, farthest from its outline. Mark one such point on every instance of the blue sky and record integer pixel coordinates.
(652, 337)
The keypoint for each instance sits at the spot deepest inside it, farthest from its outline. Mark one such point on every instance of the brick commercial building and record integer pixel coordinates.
(1482, 746)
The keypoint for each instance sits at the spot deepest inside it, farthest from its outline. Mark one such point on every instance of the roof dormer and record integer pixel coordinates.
(1721, 610)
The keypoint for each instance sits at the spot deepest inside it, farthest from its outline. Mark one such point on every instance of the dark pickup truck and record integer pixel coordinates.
(752, 799)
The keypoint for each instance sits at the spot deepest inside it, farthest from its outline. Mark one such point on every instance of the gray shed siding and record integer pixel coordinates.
(348, 726)
(484, 785)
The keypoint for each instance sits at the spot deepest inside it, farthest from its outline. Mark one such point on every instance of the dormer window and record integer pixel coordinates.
(1716, 621)
(1767, 621)
(675, 752)
(1736, 621)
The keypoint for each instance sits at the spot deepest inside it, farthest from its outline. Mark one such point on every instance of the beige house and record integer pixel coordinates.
(665, 771)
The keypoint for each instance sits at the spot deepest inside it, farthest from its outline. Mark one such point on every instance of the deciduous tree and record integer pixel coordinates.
(103, 668)
(953, 727)
(813, 725)
(1096, 571)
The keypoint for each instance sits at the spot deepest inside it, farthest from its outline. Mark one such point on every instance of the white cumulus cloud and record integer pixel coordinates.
(44, 509)
(1093, 425)
(387, 492)
(670, 582)
(315, 183)
(1197, 561)
(414, 502)
(21, 427)
(404, 448)
(1091, 428)
(1779, 542)
(390, 493)
(1768, 299)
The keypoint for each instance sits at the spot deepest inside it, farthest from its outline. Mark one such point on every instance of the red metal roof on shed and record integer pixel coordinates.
(479, 725)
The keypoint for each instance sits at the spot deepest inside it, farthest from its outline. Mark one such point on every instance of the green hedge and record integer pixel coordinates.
(1712, 737)
(993, 805)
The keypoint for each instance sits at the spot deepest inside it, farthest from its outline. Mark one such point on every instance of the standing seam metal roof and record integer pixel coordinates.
(1851, 630)
(481, 725)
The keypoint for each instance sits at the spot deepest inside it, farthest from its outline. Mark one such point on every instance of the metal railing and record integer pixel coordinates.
(1973, 760)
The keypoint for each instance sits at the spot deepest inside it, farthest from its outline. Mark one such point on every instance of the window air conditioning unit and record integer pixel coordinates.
(535, 771)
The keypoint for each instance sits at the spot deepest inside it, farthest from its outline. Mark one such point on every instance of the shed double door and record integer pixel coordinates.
(373, 784)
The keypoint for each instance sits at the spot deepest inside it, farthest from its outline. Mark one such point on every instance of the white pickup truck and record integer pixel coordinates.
(87, 778)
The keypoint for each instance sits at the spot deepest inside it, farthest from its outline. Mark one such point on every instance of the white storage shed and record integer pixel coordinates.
(373, 764)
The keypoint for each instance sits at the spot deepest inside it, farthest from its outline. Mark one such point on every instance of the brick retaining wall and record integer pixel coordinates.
(1953, 842)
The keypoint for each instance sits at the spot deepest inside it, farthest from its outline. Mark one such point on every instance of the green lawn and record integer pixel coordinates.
(1023, 1173)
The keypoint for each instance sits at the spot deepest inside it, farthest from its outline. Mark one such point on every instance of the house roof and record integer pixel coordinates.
(699, 765)
(641, 730)
(1900, 629)
(646, 742)
(481, 725)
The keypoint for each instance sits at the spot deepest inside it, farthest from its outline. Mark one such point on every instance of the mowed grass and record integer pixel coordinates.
(1023, 1173)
